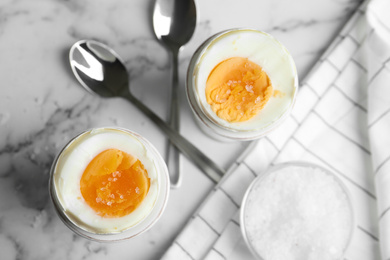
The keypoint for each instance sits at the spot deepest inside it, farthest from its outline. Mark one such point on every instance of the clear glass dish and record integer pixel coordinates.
(256, 185)
(73, 222)
(204, 58)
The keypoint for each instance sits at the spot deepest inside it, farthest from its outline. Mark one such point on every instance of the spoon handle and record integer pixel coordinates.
(173, 155)
(212, 170)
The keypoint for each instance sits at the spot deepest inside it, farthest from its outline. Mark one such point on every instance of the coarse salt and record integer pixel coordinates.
(297, 212)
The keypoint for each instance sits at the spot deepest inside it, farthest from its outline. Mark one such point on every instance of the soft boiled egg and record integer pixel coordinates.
(108, 180)
(242, 80)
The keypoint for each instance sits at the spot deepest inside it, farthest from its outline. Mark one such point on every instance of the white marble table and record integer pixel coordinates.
(42, 106)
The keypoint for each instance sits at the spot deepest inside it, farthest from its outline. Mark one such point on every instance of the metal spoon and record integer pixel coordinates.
(174, 23)
(100, 70)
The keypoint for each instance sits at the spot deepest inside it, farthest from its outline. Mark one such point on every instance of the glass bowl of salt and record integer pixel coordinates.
(297, 211)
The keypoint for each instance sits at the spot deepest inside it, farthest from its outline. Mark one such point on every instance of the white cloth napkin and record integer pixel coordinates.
(341, 121)
(378, 16)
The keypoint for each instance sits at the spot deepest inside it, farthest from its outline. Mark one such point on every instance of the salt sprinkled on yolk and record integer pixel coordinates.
(114, 183)
(237, 89)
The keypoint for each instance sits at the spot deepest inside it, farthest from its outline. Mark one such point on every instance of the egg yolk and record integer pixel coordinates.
(237, 89)
(114, 183)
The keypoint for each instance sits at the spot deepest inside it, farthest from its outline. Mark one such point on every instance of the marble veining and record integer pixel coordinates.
(42, 106)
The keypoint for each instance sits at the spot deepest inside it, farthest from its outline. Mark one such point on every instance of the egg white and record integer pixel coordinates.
(261, 49)
(71, 165)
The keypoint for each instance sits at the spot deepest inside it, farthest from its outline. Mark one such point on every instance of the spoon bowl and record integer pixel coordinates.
(174, 22)
(100, 71)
